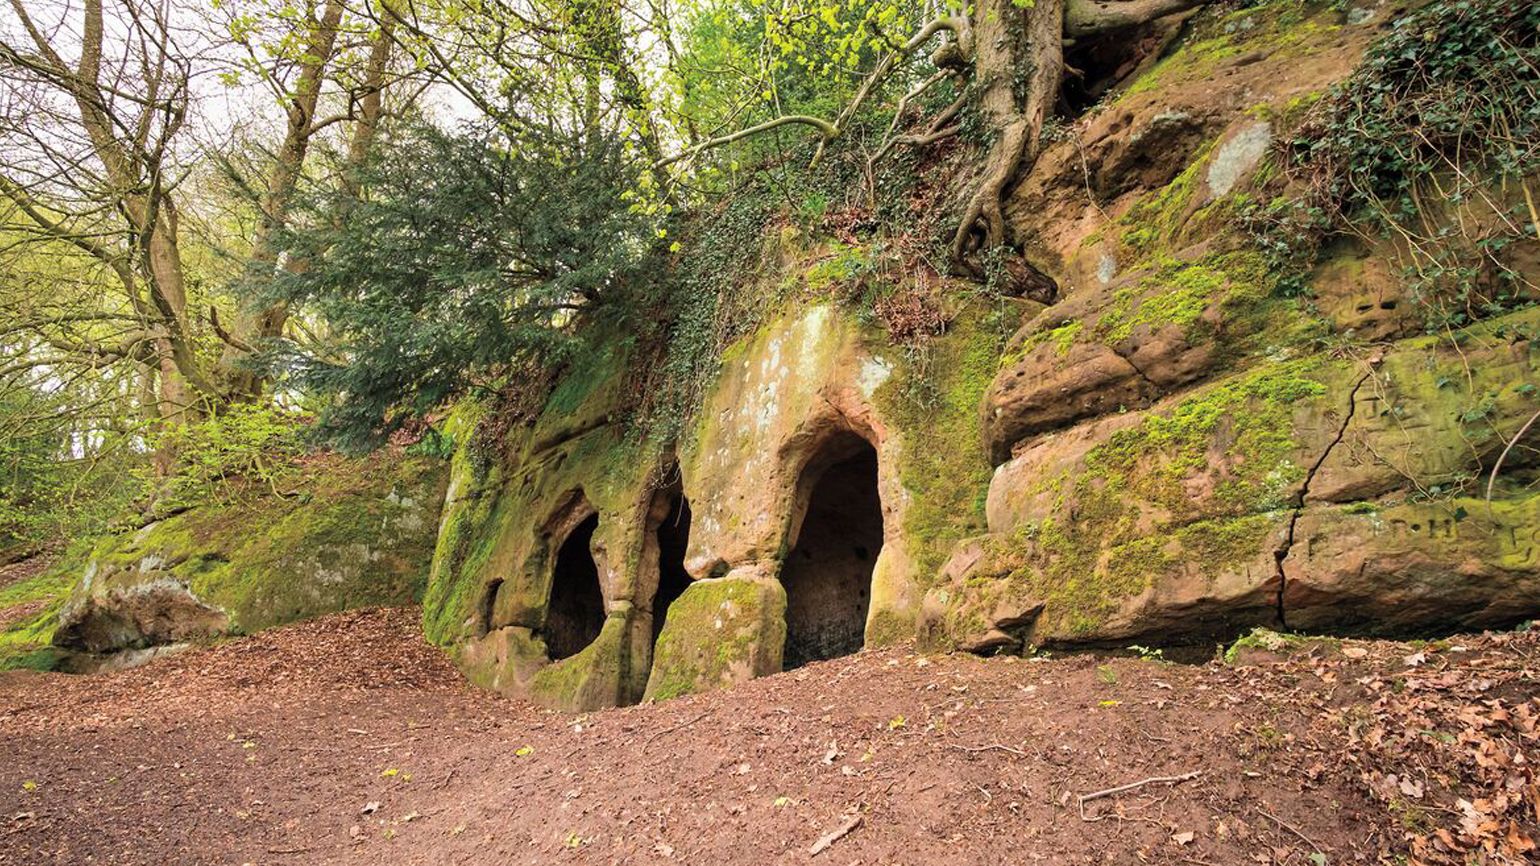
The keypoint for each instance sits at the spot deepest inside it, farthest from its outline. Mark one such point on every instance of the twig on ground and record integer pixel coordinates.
(1314, 847)
(987, 747)
(1153, 780)
(667, 731)
(838, 833)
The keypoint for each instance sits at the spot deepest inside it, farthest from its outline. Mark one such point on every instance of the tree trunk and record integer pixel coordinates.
(152, 216)
(371, 107)
(1018, 68)
(252, 327)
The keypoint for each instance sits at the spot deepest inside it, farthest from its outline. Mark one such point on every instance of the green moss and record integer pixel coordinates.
(1192, 61)
(1252, 411)
(587, 382)
(1277, 643)
(1126, 516)
(1062, 338)
(715, 627)
(944, 466)
(1285, 28)
(24, 642)
(1152, 226)
(589, 678)
(44, 586)
(888, 628)
(42, 659)
(360, 534)
(841, 264)
(489, 527)
(1178, 295)
(468, 535)
(1083, 579)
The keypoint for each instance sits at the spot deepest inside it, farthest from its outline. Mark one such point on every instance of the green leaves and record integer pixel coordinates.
(1434, 143)
(470, 256)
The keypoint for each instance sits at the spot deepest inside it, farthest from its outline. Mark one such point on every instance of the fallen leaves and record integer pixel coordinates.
(1470, 730)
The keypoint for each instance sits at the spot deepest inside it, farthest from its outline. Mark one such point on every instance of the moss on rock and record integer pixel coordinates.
(719, 632)
(360, 533)
(592, 678)
(29, 611)
(943, 466)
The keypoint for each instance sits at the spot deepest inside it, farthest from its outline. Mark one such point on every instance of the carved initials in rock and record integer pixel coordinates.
(1445, 528)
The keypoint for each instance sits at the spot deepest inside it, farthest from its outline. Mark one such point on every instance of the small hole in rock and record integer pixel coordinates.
(489, 606)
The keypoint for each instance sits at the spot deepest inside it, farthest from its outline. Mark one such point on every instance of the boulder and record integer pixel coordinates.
(1457, 564)
(362, 534)
(1047, 390)
(721, 631)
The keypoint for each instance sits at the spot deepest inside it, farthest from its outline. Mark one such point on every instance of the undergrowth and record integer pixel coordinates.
(1433, 146)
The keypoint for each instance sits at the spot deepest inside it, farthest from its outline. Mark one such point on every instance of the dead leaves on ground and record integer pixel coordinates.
(1448, 745)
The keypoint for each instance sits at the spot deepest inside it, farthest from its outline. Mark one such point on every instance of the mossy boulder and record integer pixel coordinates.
(720, 632)
(357, 533)
(1169, 523)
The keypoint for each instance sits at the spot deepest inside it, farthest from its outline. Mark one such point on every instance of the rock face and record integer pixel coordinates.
(803, 425)
(1178, 458)
(363, 535)
(1173, 451)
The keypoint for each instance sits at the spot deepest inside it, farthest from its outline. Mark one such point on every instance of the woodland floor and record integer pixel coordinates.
(348, 740)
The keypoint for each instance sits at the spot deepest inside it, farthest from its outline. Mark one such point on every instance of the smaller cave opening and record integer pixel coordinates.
(673, 540)
(1096, 64)
(574, 615)
(828, 572)
(488, 608)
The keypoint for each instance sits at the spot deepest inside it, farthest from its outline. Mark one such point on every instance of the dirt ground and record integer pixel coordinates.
(348, 740)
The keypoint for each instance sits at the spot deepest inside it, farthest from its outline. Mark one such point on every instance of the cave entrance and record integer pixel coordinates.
(575, 614)
(673, 539)
(1096, 64)
(828, 573)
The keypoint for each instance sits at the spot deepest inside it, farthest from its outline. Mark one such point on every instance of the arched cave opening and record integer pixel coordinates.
(1096, 64)
(575, 614)
(828, 573)
(673, 538)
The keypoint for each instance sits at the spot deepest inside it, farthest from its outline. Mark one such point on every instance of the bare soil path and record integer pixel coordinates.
(348, 740)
